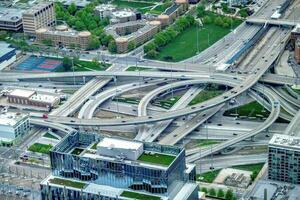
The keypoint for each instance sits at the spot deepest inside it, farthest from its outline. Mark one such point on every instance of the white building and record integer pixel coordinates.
(13, 126)
(120, 148)
(105, 10)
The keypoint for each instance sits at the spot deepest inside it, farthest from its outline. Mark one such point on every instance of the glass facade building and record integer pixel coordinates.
(284, 159)
(160, 170)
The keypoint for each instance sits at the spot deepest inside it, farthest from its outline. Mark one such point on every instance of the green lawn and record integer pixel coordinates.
(167, 103)
(157, 158)
(67, 183)
(127, 100)
(296, 90)
(40, 148)
(185, 45)
(208, 177)
(82, 65)
(141, 6)
(49, 135)
(205, 95)
(203, 143)
(253, 109)
(139, 196)
(133, 69)
(94, 146)
(77, 151)
(160, 8)
(252, 167)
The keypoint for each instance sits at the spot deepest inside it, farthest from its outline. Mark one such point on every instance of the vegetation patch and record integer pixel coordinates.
(139, 196)
(67, 183)
(167, 103)
(205, 95)
(203, 143)
(133, 68)
(40, 148)
(129, 100)
(250, 110)
(50, 136)
(77, 151)
(208, 177)
(157, 158)
(82, 65)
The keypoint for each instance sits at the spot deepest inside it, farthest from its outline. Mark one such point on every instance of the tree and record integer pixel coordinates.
(243, 12)
(72, 8)
(94, 43)
(131, 45)
(200, 11)
(47, 42)
(152, 54)
(207, 20)
(254, 175)
(150, 46)
(106, 39)
(112, 46)
(204, 189)
(212, 192)
(229, 195)
(220, 193)
(79, 25)
(3, 35)
(67, 63)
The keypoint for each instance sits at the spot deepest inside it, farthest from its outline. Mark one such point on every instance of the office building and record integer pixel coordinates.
(237, 2)
(173, 12)
(115, 15)
(105, 10)
(33, 98)
(90, 166)
(10, 19)
(7, 55)
(64, 36)
(12, 127)
(136, 32)
(39, 16)
(284, 159)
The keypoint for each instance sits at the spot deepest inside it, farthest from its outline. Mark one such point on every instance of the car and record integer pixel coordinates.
(237, 123)
(219, 124)
(72, 121)
(235, 134)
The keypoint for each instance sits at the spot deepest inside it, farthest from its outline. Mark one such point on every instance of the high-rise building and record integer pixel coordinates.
(284, 159)
(89, 166)
(39, 16)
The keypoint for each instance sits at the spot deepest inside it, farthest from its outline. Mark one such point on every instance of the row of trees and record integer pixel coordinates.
(211, 18)
(220, 193)
(164, 37)
(85, 19)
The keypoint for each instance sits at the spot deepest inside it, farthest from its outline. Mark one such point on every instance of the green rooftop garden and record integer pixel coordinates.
(134, 68)
(94, 146)
(139, 196)
(67, 183)
(77, 151)
(157, 158)
(40, 148)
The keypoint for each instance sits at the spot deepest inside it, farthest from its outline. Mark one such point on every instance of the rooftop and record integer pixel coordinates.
(105, 7)
(113, 142)
(37, 7)
(10, 14)
(285, 141)
(4, 48)
(44, 98)
(11, 118)
(22, 93)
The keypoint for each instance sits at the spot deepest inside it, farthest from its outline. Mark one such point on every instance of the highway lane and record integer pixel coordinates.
(182, 131)
(89, 108)
(269, 121)
(229, 161)
(286, 96)
(151, 133)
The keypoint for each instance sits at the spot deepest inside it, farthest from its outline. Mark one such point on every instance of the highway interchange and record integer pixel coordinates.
(249, 75)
